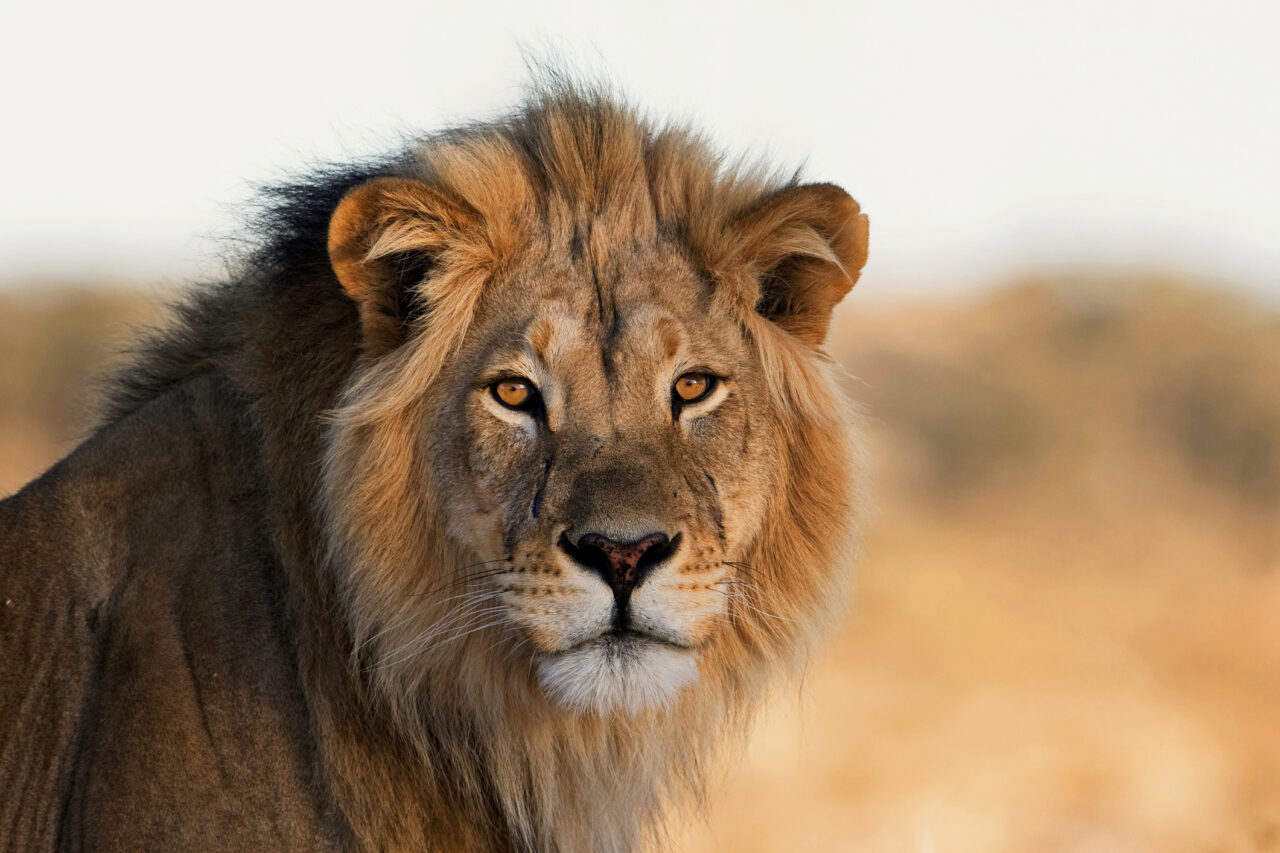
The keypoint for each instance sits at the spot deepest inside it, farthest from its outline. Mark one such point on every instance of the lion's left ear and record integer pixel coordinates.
(806, 246)
(384, 238)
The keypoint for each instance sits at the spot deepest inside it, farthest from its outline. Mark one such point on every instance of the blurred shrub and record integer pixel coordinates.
(963, 430)
(1223, 421)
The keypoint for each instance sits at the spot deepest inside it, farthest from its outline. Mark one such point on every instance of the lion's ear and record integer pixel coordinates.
(384, 238)
(806, 246)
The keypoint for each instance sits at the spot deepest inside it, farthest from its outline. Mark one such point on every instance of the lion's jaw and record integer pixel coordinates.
(630, 672)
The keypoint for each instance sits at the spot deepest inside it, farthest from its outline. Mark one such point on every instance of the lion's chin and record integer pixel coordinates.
(629, 673)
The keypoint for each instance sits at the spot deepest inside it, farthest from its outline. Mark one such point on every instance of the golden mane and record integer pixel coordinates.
(567, 160)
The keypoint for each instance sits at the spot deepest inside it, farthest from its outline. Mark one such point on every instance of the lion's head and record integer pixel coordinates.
(592, 475)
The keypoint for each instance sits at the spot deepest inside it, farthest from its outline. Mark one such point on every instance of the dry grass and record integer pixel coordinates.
(1066, 635)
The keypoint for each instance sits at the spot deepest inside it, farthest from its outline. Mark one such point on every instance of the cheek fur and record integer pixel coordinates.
(496, 453)
(483, 463)
(737, 452)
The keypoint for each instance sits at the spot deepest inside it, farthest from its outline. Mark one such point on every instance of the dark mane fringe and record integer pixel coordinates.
(288, 226)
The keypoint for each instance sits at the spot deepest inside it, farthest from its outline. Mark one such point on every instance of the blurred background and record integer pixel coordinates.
(1066, 631)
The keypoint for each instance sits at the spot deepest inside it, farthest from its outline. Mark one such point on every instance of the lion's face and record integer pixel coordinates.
(607, 447)
(593, 450)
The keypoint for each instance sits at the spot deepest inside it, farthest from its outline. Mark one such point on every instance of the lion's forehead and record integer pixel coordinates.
(651, 310)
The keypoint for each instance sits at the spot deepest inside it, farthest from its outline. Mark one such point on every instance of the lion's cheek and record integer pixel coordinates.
(477, 530)
(485, 481)
(557, 617)
(748, 494)
(744, 513)
(680, 611)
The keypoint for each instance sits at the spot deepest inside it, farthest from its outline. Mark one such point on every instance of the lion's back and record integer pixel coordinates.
(142, 625)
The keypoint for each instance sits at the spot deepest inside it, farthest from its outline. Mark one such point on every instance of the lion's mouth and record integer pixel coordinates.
(619, 670)
(620, 642)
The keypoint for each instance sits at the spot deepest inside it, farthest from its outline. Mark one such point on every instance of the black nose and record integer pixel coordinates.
(623, 565)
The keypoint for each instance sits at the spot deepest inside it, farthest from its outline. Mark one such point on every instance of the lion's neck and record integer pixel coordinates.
(551, 786)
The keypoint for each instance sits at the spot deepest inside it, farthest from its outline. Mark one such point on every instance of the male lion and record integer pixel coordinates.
(472, 515)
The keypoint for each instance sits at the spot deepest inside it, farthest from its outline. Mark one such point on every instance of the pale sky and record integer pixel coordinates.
(983, 138)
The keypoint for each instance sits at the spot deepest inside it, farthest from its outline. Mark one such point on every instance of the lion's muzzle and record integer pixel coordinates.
(623, 565)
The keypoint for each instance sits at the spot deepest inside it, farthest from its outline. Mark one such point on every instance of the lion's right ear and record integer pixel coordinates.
(806, 246)
(384, 238)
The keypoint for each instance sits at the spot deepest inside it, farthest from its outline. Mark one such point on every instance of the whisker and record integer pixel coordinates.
(474, 598)
(468, 632)
(455, 582)
(418, 645)
(733, 581)
(745, 568)
(736, 597)
(520, 643)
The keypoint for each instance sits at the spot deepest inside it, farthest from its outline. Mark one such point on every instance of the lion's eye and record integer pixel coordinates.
(692, 387)
(516, 393)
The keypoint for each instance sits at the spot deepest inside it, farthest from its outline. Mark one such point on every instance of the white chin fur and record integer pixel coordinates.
(609, 674)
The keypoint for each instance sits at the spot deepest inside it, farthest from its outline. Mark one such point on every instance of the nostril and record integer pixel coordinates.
(658, 550)
(588, 555)
(623, 565)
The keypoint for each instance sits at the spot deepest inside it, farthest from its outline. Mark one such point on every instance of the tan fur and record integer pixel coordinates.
(437, 620)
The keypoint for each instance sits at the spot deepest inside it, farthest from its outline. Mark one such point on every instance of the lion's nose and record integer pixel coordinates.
(623, 565)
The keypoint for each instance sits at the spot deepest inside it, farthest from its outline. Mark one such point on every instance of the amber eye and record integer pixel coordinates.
(516, 393)
(692, 387)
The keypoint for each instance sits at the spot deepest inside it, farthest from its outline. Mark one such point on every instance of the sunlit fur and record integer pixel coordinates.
(578, 216)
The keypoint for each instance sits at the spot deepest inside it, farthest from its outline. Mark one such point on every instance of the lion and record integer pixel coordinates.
(476, 511)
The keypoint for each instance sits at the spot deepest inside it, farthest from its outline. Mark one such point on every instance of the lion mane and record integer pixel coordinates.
(303, 588)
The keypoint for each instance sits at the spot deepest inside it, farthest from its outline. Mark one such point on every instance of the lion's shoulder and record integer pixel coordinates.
(146, 646)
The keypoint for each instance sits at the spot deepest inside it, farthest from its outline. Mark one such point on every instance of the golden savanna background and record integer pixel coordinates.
(1066, 631)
